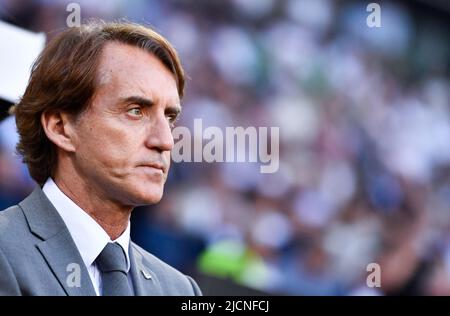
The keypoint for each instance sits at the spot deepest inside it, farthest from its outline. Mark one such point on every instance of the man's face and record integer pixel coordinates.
(123, 140)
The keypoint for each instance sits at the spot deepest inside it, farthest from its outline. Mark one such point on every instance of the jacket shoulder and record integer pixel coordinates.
(11, 219)
(12, 240)
(15, 233)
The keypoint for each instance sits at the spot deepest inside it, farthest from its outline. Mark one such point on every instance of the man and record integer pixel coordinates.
(95, 132)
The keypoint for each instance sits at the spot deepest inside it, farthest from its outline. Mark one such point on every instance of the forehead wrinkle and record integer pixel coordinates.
(112, 70)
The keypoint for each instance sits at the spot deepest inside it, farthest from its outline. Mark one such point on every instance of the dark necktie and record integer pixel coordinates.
(113, 266)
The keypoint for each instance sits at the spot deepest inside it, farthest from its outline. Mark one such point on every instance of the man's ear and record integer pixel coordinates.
(59, 128)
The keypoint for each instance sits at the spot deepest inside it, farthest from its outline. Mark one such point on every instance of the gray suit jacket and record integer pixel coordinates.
(39, 257)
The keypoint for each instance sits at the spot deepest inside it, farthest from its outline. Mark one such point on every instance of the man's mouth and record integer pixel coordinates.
(154, 165)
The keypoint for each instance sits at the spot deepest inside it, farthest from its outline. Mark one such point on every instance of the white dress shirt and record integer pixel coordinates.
(89, 237)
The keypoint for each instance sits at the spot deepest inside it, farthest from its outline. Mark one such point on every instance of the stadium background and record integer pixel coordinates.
(364, 143)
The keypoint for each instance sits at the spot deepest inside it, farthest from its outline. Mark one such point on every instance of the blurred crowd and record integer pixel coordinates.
(364, 117)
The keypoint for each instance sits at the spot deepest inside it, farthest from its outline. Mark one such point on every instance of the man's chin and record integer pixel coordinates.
(148, 197)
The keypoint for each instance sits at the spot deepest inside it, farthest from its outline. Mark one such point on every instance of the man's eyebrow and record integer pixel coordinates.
(142, 101)
(173, 109)
(137, 100)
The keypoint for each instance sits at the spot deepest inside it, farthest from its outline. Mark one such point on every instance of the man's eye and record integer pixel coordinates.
(172, 120)
(135, 111)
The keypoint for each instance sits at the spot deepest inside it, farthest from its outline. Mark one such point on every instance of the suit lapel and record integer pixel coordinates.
(65, 261)
(57, 246)
(145, 282)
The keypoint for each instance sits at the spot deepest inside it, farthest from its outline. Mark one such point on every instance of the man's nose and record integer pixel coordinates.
(160, 134)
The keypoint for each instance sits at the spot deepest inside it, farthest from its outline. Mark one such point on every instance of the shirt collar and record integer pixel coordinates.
(89, 237)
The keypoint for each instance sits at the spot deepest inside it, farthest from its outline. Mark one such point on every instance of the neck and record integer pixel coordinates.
(110, 215)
